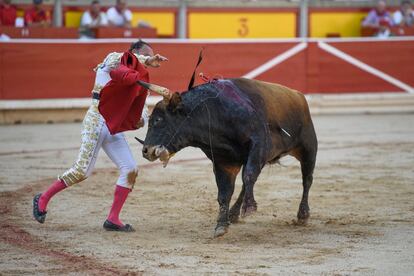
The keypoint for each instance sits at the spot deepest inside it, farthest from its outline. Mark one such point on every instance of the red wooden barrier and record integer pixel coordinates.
(395, 31)
(116, 32)
(57, 32)
(39, 32)
(34, 70)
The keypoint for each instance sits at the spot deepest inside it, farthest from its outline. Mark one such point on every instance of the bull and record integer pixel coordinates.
(238, 124)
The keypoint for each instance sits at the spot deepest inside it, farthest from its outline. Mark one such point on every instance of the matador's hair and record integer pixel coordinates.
(138, 45)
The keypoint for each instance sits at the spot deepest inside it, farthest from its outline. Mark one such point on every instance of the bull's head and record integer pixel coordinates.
(163, 140)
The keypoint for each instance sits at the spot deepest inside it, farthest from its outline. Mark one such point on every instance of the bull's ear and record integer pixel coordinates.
(175, 103)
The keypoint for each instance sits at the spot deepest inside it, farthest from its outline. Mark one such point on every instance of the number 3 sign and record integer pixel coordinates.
(244, 28)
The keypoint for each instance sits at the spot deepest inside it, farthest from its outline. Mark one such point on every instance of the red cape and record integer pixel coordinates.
(122, 100)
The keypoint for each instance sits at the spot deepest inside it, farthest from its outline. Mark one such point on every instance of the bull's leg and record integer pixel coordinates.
(225, 178)
(307, 158)
(307, 166)
(250, 174)
(249, 203)
(235, 209)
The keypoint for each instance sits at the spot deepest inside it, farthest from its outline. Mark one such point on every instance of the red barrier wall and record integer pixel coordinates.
(64, 70)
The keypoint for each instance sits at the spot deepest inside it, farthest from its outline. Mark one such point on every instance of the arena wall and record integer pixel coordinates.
(52, 75)
(41, 69)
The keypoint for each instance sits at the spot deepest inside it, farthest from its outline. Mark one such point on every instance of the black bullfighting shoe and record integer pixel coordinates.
(109, 226)
(38, 215)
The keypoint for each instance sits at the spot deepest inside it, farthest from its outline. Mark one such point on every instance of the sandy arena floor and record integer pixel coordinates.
(362, 209)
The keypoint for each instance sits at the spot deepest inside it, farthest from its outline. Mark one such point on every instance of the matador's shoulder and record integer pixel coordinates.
(110, 62)
(113, 59)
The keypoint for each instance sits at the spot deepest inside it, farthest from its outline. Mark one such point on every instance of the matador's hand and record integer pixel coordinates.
(155, 60)
(141, 123)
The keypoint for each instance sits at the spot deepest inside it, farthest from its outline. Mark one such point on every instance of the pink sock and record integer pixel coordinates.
(53, 189)
(121, 194)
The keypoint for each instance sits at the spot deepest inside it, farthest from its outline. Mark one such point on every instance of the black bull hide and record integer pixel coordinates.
(237, 123)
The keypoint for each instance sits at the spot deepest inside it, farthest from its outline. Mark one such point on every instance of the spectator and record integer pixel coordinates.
(405, 15)
(384, 30)
(8, 13)
(119, 15)
(92, 18)
(37, 15)
(377, 15)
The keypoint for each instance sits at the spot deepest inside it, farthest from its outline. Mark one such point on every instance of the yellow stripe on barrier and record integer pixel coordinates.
(345, 24)
(73, 18)
(242, 25)
(163, 21)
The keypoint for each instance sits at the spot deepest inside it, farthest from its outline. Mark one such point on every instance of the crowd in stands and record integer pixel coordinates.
(8, 13)
(382, 20)
(36, 15)
(379, 18)
(118, 15)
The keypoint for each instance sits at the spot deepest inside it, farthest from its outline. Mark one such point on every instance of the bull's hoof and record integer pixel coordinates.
(303, 216)
(234, 218)
(301, 222)
(248, 210)
(220, 231)
(234, 214)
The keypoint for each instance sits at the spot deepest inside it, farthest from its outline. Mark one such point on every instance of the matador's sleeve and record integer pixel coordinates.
(142, 59)
(125, 75)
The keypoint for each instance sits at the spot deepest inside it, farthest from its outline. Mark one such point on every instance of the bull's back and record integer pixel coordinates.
(282, 105)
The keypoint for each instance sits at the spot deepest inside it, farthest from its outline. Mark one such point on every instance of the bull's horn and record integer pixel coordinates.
(165, 92)
(139, 140)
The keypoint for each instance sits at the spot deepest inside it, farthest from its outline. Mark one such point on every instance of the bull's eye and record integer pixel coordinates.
(157, 120)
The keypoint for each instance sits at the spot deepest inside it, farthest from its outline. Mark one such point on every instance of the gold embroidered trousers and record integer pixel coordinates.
(94, 136)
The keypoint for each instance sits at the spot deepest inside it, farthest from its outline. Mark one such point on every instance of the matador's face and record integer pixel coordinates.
(145, 51)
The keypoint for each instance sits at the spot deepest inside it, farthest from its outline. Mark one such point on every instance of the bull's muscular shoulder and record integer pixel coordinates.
(278, 100)
(270, 91)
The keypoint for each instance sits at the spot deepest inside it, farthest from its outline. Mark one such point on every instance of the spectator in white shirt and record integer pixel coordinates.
(119, 15)
(377, 15)
(405, 15)
(92, 18)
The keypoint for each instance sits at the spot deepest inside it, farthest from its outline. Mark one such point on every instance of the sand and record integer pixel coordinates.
(362, 208)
